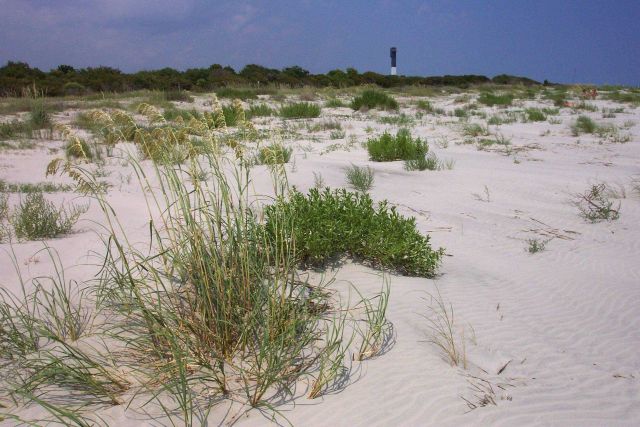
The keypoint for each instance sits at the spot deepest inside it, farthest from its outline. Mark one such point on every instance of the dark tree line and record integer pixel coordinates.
(67, 80)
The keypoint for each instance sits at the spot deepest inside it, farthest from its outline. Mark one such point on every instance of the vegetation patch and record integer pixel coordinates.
(300, 110)
(595, 206)
(360, 178)
(37, 218)
(330, 224)
(402, 146)
(371, 98)
(491, 99)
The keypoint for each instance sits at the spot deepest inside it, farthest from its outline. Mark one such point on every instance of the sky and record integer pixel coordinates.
(568, 41)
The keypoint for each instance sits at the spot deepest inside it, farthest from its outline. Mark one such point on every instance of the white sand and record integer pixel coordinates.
(565, 321)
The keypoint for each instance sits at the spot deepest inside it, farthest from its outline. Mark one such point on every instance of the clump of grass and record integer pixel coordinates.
(260, 110)
(624, 96)
(334, 103)
(5, 231)
(428, 162)
(424, 105)
(397, 120)
(461, 113)
(491, 99)
(274, 154)
(558, 96)
(535, 115)
(325, 125)
(337, 134)
(594, 205)
(583, 124)
(15, 129)
(26, 187)
(173, 113)
(236, 93)
(497, 139)
(443, 331)
(39, 117)
(584, 106)
(178, 95)
(78, 148)
(37, 218)
(300, 110)
(403, 146)
(330, 224)
(360, 178)
(536, 245)
(372, 98)
(377, 329)
(474, 130)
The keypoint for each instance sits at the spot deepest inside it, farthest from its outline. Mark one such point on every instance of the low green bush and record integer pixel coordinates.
(259, 110)
(490, 99)
(371, 98)
(334, 103)
(428, 162)
(300, 110)
(535, 115)
(583, 124)
(360, 178)
(330, 224)
(388, 148)
(38, 218)
(236, 93)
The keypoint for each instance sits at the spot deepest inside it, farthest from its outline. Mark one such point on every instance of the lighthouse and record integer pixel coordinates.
(393, 61)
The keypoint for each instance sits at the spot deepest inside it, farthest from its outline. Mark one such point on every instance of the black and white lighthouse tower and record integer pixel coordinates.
(393, 61)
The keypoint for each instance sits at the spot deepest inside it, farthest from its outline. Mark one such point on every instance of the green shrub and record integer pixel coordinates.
(475, 129)
(27, 187)
(300, 110)
(236, 93)
(397, 120)
(173, 113)
(260, 110)
(38, 218)
(38, 114)
(583, 124)
(334, 103)
(630, 97)
(585, 106)
(559, 97)
(178, 95)
(14, 129)
(428, 162)
(424, 106)
(360, 178)
(491, 99)
(274, 154)
(461, 113)
(371, 98)
(73, 89)
(387, 148)
(535, 115)
(330, 224)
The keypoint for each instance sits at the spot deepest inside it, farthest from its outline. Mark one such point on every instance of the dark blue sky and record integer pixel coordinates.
(567, 41)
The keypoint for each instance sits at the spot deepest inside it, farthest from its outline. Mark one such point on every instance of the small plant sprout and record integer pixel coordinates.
(318, 180)
(443, 331)
(536, 245)
(595, 206)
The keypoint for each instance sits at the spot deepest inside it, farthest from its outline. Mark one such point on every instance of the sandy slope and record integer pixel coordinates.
(567, 320)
